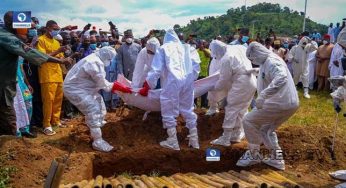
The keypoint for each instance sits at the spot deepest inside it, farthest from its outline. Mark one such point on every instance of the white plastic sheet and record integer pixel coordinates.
(340, 174)
(152, 101)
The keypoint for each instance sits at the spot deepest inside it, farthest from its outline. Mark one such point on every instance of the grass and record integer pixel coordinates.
(127, 174)
(5, 171)
(317, 111)
(154, 173)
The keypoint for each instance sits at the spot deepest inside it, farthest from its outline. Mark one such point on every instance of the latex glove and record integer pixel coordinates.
(120, 87)
(259, 103)
(145, 89)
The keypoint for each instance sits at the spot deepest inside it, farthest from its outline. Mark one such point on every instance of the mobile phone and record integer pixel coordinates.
(88, 26)
(74, 27)
(111, 25)
(81, 51)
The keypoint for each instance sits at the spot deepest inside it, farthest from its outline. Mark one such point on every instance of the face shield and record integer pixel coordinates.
(152, 45)
(106, 54)
(170, 36)
(257, 53)
(218, 49)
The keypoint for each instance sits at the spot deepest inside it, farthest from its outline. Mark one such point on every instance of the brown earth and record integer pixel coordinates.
(137, 151)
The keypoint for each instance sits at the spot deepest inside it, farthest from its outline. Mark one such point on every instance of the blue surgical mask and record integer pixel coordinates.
(93, 46)
(54, 33)
(32, 33)
(244, 39)
(103, 44)
(38, 26)
(285, 45)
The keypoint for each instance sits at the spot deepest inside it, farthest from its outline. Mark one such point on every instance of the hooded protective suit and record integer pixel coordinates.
(81, 87)
(236, 76)
(143, 63)
(277, 101)
(215, 96)
(337, 53)
(298, 57)
(178, 67)
(312, 60)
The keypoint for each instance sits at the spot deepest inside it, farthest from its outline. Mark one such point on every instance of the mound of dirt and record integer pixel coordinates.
(137, 151)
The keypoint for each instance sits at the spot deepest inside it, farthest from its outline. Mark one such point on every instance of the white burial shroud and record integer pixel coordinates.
(152, 101)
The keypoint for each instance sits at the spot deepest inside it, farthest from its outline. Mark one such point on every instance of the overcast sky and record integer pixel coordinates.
(143, 15)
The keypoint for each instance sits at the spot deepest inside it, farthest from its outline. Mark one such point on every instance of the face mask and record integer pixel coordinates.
(54, 33)
(325, 42)
(244, 39)
(32, 33)
(103, 44)
(129, 40)
(93, 46)
(38, 26)
(194, 46)
(285, 45)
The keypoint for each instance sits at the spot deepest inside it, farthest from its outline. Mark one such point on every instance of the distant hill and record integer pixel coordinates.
(258, 18)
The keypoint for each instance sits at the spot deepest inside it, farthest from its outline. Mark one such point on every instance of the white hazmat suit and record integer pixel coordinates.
(312, 61)
(235, 75)
(81, 87)
(143, 63)
(214, 97)
(298, 57)
(277, 101)
(337, 54)
(178, 67)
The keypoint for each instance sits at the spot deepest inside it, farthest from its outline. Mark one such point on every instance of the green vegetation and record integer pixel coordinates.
(5, 172)
(258, 18)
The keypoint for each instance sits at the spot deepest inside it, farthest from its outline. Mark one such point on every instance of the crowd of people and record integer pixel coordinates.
(50, 73)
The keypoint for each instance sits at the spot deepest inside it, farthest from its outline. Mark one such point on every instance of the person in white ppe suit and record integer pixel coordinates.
(335, 66)
(143, 63)
(277, 101)
(81, 87)
(178, 66)
(312, 61)
(235, 75)
(214, 97)
(300, 66)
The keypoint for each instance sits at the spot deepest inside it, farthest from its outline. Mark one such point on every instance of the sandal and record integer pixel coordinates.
(49, 132)
(61, 125)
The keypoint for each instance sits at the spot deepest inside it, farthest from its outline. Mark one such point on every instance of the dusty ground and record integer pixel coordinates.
(306, 143)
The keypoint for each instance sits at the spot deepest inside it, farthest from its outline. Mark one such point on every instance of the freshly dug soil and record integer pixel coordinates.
(137, 151)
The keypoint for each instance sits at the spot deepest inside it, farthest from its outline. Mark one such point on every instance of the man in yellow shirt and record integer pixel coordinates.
(51, 79)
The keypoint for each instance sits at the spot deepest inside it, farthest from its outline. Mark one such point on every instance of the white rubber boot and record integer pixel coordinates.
(251, 156)
(237, 134)
(212, 111)
(193, 138)
(276, 160)
(98, 143)
(172, 141)
(306, 93)
(225, 139)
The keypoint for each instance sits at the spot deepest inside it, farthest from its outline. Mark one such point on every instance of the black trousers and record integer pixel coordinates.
(31, 72)
(204, 98)
(7, 113)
